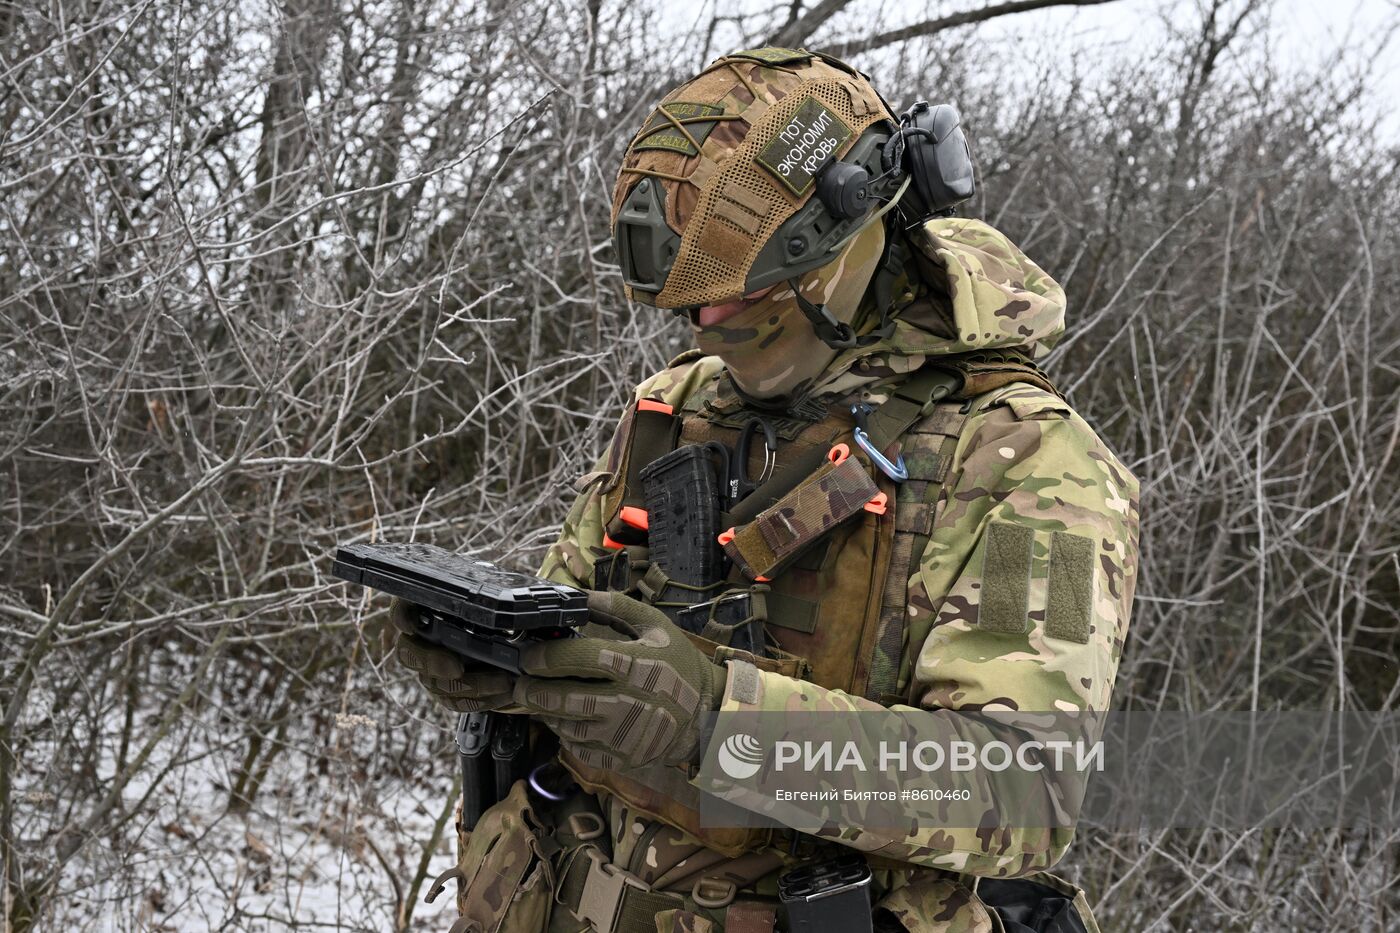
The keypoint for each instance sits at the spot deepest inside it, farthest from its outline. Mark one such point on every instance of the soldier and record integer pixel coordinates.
(921, 520)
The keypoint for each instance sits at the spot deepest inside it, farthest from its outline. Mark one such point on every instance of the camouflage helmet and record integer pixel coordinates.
(756, 171)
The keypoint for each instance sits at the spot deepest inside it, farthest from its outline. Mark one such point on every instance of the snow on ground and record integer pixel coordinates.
(333, 841)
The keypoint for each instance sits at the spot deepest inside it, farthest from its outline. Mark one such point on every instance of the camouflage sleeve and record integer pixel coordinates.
(571, 557)
(1022, 596)
(1020, 603)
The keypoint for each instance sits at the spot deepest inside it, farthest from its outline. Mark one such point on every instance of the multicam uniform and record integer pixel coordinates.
(997, 576)
(1014, 484)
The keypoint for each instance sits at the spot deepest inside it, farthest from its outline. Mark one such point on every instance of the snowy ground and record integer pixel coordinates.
(337, 839)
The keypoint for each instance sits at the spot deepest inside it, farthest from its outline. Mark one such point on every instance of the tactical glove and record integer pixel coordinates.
(456, 684)
(623, 703)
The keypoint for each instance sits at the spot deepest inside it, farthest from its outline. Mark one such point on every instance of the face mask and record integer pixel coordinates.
(769, 346)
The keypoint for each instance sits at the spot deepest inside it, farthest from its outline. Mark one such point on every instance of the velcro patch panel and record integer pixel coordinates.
(1006, 577)
(1070, 603)
(773, 56)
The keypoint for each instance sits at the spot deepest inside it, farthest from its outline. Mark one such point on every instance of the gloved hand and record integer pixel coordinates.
(622, 703)
(460, 686)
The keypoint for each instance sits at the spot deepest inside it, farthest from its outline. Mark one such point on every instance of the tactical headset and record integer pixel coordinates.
(924, 165)
(929, 147)
(925, 168)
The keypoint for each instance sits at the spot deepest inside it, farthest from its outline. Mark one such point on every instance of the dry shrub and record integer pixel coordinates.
(278, 279)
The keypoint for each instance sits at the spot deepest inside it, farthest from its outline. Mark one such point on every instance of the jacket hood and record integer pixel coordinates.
(967, 288)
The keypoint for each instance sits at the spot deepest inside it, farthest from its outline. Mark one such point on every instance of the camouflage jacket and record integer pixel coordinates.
(1024, 461)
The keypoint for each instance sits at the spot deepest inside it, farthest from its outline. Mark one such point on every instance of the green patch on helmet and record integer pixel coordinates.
(803, 145)
(773, 56)
(661, 133)
(662, 130)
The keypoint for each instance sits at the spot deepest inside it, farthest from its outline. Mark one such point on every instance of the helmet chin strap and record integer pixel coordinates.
(834, 333)
(837, 334)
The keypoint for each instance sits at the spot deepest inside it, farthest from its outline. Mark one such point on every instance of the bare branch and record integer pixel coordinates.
(952, 21)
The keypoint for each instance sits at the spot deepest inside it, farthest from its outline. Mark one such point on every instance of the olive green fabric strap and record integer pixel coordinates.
(929, 434)
(961, 377)
(607, 897)
(791, 612)
(660, 590)
(909, 401)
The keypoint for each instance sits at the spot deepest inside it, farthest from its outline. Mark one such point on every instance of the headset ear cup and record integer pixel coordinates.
(937, 157)
(844, 190)
(954, 172)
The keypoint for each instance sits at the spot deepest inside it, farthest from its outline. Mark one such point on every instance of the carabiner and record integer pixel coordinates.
(895, 471)
(739, 483)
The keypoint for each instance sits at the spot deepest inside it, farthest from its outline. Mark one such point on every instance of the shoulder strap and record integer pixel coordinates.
(890, 272)
(928, 448)
(909, 401)
(721, 403)
(926, 418)
(987, 370)
(964, 376)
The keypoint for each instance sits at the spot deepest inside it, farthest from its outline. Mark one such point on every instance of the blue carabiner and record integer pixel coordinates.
(895, 471)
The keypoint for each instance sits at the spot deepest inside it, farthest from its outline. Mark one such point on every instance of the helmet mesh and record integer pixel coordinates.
(699, 276)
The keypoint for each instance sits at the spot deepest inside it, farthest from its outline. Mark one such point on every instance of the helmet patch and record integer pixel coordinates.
(773, 56)
(803, 145)
(661, 133)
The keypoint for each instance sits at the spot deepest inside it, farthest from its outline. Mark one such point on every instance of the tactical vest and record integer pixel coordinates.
(824, 564)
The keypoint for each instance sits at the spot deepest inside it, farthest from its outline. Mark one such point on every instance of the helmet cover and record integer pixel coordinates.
(716, 194)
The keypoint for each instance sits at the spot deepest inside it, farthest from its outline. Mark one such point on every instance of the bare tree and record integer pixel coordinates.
(278, 278)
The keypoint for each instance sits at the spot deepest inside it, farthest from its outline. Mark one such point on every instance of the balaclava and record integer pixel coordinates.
(770, 348)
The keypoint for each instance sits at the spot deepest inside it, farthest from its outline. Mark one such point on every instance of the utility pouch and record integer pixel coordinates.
(834, 493)
(648, 433)
(504, 879)
(938, 902)
(1039, 903)
(934, 902)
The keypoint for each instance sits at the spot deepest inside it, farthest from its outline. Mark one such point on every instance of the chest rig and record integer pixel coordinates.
(820, 527)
